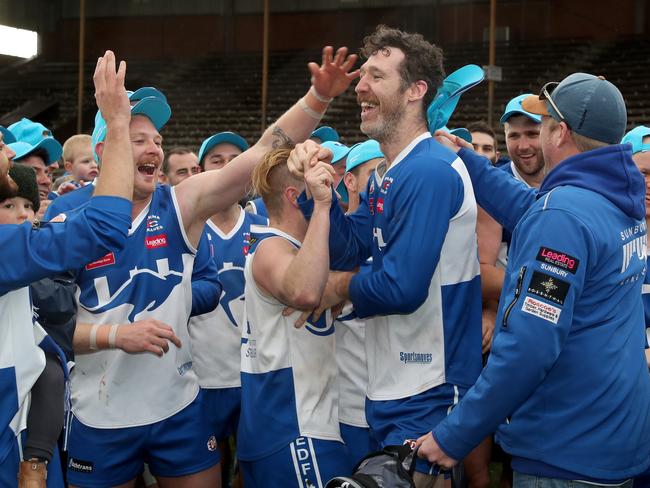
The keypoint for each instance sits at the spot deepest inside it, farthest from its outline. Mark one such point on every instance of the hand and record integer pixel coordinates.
(429, 450)
(334, 297)
(450, 141)
(66, 187)
(319, 180)
(307, 154)
(332, 77)
(147, 335)
(489, 317)
(110, 93)
(42, 209)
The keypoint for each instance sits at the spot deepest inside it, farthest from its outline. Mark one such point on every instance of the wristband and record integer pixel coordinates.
(318, 96)
(93, 337)
(112, 335)
(308, 110)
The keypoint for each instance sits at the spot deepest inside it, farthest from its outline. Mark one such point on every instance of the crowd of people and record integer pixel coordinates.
(268, 315)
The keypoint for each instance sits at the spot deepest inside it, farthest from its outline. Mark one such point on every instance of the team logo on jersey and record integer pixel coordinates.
(380, 205)
(232, 281)
(157, 286)
(106, 260)
(212, 443)
(153, 223)
(386, 185)
(247, 243)
(153, 242)
(320, 327)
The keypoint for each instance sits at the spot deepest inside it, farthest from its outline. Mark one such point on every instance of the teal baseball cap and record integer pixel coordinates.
(219, 138)
(461, 132)
(7, 136)
(24, 149)
(359, 153)
(325, 133)
(155, 108)
(635, 139)
(33, 133)
(513, 107)
(339, 151)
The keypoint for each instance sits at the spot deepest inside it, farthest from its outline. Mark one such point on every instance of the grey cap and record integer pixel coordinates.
(590, 105)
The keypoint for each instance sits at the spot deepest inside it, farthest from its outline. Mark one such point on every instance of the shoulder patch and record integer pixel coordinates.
(549, 287)
(558, 258)
(542, 310)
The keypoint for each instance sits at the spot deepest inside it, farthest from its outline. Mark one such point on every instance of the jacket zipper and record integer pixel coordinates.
(520, 279)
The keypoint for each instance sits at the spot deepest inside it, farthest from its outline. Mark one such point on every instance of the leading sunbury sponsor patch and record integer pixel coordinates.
(558, 258)
(548, 287)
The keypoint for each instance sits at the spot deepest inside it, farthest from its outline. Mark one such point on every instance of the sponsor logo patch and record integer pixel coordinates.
(416, 357)
(152, 242)
(153, 223)
(549, 287)
(107, 260)
(380, 205)
(558, 258)
(212, 443)
(80, 466)
(542, 310)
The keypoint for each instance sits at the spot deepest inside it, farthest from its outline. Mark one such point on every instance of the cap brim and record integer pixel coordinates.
(342, 192)
(156, 109)
(8, 136)
(52, 147)
(534, 105)
(229, 137)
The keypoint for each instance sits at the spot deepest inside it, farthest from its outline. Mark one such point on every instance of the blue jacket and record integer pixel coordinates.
(566, 383)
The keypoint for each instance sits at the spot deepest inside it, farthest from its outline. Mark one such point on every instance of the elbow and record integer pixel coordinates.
(410, 298)
(304, 299)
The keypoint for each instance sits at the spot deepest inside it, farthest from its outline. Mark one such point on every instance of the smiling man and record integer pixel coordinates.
(422, 298)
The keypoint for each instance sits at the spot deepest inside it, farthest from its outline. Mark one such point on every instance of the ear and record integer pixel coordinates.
(68, 165)
(497, 156)
(99, 149)
(563, 134)
(350, 182)
(291, 194)
(417, 90)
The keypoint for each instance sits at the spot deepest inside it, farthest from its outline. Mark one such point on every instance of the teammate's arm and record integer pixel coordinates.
(207, 193)
(206, 288)
(489, 232)
(297, 277)
(147, 335)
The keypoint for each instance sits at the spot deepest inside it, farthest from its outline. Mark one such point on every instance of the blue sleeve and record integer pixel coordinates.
(505, 198)
(533, 330)
(350, 238)
(85, 236)
(401, 284)
(206, 288)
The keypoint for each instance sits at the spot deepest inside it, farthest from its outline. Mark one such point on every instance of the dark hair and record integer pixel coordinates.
(171, 152)
(422, 60)
(482, 127)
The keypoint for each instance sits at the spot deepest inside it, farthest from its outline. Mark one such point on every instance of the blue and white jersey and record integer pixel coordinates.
(151, 278)
(645, 290)
(289, 375)
(216, 336)
(353, 368)
(422, 298)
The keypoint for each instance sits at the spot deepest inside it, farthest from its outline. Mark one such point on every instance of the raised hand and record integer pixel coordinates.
(319, 180)
(333, 76)
(110, 93)
(307, 154)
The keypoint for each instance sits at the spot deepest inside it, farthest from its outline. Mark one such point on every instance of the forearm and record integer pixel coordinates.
(90, 338)
(117, 162)
(491, 281)
(306, 275)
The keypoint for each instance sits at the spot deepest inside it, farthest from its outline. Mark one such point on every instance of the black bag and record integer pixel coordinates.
(392, 467)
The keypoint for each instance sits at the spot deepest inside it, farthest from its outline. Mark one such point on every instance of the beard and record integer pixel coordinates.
(8, 187)
(385, 127)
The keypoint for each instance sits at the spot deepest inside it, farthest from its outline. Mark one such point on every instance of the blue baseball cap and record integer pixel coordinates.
(339, 151)
(7, 136)
(33, 133)
(590, 105)
(144, 92)
(359, 153)
(229, 137)
(635, 138)
(461, 132)
(325, 134)
(514, 108)
(24, 149)
(448, 95)
(155, 108)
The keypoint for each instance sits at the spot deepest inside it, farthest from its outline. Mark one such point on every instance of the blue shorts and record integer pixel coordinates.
(10, 465)
(394, 421)
(180, 445)
(357, 440)
(306, 462)
(222, 409)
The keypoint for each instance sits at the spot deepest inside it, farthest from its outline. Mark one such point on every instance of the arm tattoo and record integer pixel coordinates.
(280, 139)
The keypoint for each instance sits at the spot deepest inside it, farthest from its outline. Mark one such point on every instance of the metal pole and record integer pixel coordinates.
(82, 49)
(491, 58)
(265, 64)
